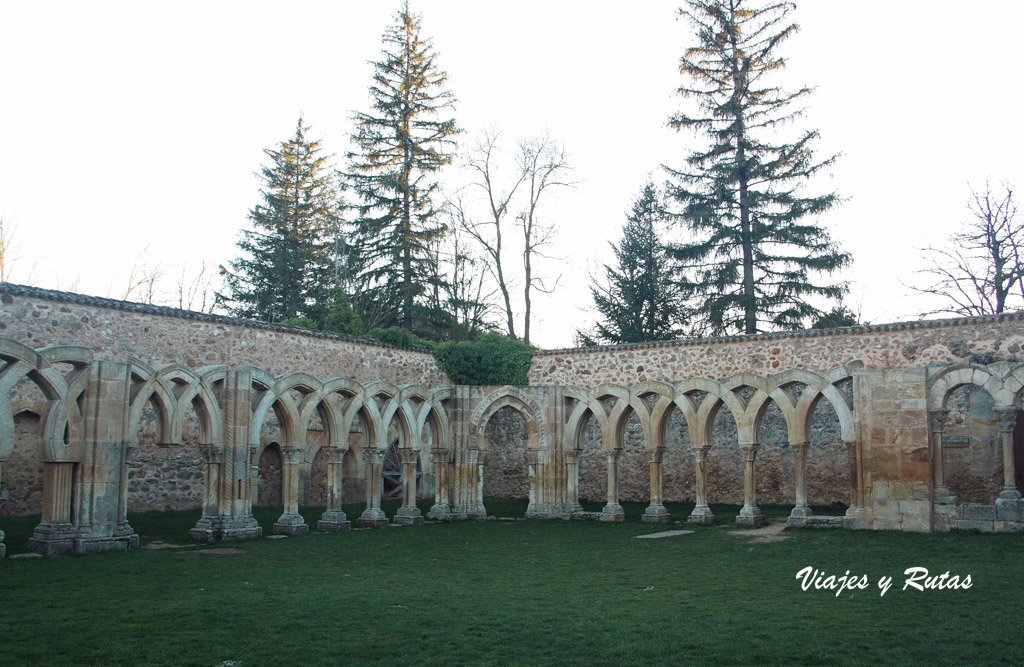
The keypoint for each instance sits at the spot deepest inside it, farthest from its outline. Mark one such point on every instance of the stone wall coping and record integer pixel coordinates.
(802, 333)
(167, 311)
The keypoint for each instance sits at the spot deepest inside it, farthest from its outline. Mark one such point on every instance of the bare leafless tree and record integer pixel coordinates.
(7, 257)
(142, 278)
(482, 162)
(544, 165)
(195, 291)
(980, 272)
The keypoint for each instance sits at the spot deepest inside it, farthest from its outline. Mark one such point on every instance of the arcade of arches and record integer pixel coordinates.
(71, 428)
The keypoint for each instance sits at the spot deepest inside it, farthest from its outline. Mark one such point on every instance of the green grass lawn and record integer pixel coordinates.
(519, 592)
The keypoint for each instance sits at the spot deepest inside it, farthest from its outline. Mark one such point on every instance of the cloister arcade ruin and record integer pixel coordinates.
(77, 412)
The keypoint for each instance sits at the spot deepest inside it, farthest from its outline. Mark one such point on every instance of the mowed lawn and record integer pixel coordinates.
(513, 592)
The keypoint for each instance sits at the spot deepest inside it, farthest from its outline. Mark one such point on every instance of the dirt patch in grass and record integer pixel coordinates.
(766, 535)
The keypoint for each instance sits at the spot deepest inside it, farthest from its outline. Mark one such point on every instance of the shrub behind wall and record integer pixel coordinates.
(492, 359)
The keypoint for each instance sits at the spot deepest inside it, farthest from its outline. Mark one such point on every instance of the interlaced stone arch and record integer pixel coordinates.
(533, 415)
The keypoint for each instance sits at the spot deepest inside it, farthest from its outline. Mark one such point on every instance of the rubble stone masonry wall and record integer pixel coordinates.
(156, 335)
(923, 343)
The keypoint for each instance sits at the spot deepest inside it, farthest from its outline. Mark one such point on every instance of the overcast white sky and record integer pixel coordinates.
(126, 126)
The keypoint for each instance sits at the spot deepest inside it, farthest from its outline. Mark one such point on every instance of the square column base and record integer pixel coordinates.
(613, 513)
(95, 545)
(409, 516)
(440, 513)
(53, 539)
(333, 522)
(290, 524)
(372, 518)
(857, 518)
(798, 516)
(750, 515)
(656, 514)
(702, 515)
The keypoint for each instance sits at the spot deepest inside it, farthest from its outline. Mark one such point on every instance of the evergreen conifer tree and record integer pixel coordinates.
(755, 248)
(285, 269)
(399, 146)
(639, 302)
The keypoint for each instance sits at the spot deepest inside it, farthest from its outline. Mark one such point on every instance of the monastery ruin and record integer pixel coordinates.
(108, 407)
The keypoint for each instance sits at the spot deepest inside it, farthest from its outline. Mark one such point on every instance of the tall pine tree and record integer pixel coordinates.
(286, 266)
(639, 302)
(400, 145)
(754, 252)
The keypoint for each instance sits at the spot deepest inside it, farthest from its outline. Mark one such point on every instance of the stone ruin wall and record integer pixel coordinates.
(922, 343)
(165, 477)
(117, 330)
(161, 476)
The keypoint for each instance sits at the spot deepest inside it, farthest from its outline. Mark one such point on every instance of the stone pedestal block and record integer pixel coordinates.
(656, 514)
(613, 513)
(242, 528)
(333, 522)
(290, 524)
(94, 545)
(701, 514)
(53, 539)
(409, 516)
(799, 515)
(440, 512)
(372, 517)
(750, 515)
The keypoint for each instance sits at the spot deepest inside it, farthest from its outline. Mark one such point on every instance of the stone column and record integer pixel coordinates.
(333, 519)
(3, 497)
(442, 508)
(701, 513)
(55, 534)
(937, 424)
(123, 527)
(208, 528)
(408, 514)
(291, 522)
(656, 512)
(613, 510)
(1007, 420)
(475, 466)
(537, 507)
(235, 486)
(800, 513)
(750, 513)
(572, 466)
(373, 516)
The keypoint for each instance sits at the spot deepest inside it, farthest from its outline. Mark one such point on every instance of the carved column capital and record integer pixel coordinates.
(572, 456)
(292, 455)
(1007, 418)
(749, 452)
(657, 454)
(613, 455)
(937, 420)
(532, 456)
(373, 455)
(408, 455)
(212, 453)
(440, 455)
(333, 454)
(701, 453)
(800, 449)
